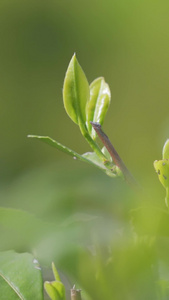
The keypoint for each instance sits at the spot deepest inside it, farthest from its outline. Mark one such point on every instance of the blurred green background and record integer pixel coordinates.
(125, 41)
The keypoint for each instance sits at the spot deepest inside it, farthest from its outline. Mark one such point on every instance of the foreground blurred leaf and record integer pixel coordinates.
(124, 272)
(164, 284)
(75, 92)
(98, 104)
(150, 221)
(20, 277)
(20, 229)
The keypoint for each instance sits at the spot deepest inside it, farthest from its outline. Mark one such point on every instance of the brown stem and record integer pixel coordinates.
(115, 156)
(75, 294)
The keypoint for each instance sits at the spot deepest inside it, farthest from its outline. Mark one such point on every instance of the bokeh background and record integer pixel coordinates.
(127, 42)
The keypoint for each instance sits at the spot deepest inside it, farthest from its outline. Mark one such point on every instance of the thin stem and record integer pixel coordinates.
(115, 156)
(92, 143)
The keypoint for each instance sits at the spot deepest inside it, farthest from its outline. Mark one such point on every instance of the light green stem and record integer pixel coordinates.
(92, 143)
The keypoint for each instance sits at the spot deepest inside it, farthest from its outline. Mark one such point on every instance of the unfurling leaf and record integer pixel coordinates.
(98, 104)
(75, 92)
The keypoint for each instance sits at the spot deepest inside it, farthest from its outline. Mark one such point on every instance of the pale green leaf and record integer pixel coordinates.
(107, 154)
(92, 156)
(20, 277)
(109, 168)
(98, 104)
(75, 92)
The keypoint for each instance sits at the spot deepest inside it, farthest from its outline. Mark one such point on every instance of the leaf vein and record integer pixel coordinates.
(12, 286)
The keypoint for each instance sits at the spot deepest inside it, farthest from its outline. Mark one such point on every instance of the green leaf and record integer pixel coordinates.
(20, 277)
(13, 226)
(55, 289)
(65, 149)
(75, 92)
(51, 291)
(107, 154)
(90, 157)
(165, 152)
(55, 144)
(98, 104)
(55, 272)
(109, 168)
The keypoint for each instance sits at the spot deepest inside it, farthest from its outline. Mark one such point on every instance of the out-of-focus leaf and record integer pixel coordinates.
(162, 169)
(164, 285)
(127, 264)
(75, 92)
(55, 289)
(20, 277)
(20, 229)
(165, 152)
(98, 104)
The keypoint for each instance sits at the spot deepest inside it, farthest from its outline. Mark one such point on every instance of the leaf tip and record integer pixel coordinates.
(73, 59)
(30, 136)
